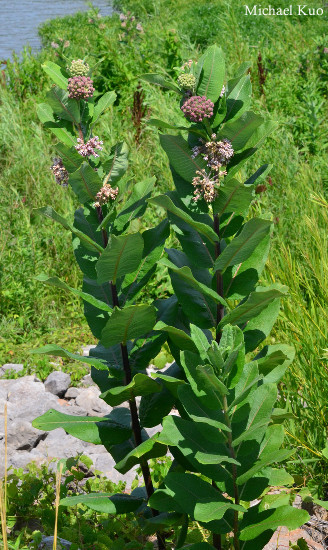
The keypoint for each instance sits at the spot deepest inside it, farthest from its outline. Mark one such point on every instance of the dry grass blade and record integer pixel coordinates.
(3, 492)
(58, 482)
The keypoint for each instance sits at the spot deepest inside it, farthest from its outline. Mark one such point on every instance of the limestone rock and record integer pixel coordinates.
(88, 399)
(15, 367)
(57, 383)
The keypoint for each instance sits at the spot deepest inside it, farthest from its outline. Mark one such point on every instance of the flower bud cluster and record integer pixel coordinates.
(186, 81)
(59, 171)
(78, 68)
(90, 147)
(106, 194)
(217, 155)
(80, 87)
(197, 108)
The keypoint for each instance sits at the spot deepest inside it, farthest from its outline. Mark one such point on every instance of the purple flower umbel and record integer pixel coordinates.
(197, 107)
(89, 148)
(59, 171)
(80, 87)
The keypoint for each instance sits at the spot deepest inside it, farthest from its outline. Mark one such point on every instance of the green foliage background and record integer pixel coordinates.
(295, 91)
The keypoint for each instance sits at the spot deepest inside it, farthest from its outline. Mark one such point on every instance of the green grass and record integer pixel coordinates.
(295, 93)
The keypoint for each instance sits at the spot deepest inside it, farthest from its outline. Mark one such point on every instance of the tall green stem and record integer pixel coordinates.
(136, 428)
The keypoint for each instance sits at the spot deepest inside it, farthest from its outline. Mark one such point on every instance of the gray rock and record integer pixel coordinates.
(72, 393)
(88, 399)
(22, 436)
(15, 367)
(59, 444)
(57, 383)
(47, 543)
(87, 381)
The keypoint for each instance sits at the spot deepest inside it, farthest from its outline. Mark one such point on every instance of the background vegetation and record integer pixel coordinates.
(289, 71)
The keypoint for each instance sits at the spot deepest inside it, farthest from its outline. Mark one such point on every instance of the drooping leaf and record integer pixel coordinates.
(150, 448)
(122, 256)
(110, 429)
(165, 202)
(241, 130)
(140, 385)
(55, 281)
(136, 203)
(106, 503)
(57, 351)
(88, 243)
(234, 196)
(160, 80)
(128, 323)
(197, 410)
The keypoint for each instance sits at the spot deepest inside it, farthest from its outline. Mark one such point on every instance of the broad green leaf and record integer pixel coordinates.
(180, 156)
(165, 202)
(260, 174)
(154, 240)
(56, 74)
(211, 78)
(201, 341)
(178, 336)
(111, 429)
(97, 318)
(242, 246)
(55, 281)
(190, 494)
(197, 410)
(71, 158)
(240, 280)
(261, 406)
(200, 443)
(85, 182)
(102, 104)
(154, 407)
(62, 105)
(128, 323)
(116, 166)
(286, 516)
(141, 384)
(234, 196)
(57, 351)
(260, 326)
(249, 377)
(186, 275)
(239, 99)
(60, 129)
(150, 448)
(160, 80)
(169, 382)
(161, 124)
(240, 131)
(278, 456)
(274, 360)
(209, 382)
(86, 221)
(106, 503)
(49, 212)
(254, 305)
(136, 203)
(122, 256)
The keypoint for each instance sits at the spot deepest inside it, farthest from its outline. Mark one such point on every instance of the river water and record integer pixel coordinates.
(19, 20)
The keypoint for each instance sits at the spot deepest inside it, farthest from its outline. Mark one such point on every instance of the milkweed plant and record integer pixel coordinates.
(215, 405)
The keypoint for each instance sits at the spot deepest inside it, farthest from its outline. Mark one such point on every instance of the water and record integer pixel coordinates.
(19, 20)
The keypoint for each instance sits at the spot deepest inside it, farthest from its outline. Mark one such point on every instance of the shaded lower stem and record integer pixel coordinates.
(136, 428)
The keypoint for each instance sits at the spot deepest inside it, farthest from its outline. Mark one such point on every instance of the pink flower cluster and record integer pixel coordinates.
(89, 148)
(80, 87)
(106, 194)
(197, 107)
(205, 186)
(59, 171)
(216, 153)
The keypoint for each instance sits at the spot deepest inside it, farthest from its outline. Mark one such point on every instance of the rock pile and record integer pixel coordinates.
(27, 398)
